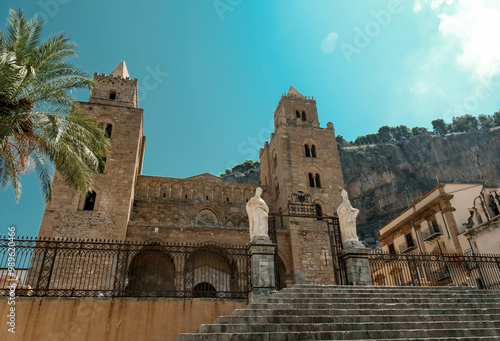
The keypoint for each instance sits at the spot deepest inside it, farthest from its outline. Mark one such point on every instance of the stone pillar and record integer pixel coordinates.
(357, 268)
(262, 258)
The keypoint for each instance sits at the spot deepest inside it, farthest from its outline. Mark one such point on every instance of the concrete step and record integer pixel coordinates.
(341, 327)
(348, 312)
(451, 334)
(386, 300)
(362, 295)
(373, 306)
(293, 319)
(362, 313)
(380, 289)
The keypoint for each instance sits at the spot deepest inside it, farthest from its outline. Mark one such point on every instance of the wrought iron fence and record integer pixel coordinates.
(424, 269)
(69, 268)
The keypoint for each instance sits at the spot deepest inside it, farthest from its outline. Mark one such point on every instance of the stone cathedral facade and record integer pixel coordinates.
(300, 156)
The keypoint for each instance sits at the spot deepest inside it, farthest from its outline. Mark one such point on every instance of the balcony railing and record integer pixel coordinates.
(431, 234)
(407, 247)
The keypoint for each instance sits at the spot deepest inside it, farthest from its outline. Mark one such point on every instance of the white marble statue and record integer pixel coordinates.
(347, 219)
(257, 216)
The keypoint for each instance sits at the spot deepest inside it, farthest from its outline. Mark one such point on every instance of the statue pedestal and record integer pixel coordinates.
(262, 262)
(357, 268)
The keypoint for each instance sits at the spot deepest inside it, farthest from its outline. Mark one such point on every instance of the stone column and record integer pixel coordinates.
(262, 258)
(357, 268)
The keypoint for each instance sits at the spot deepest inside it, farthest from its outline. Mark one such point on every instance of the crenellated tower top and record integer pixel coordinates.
(117, 89)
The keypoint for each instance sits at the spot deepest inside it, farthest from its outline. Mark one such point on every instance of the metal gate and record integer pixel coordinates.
(300, 205)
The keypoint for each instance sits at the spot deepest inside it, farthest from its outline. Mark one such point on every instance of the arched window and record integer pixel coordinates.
(307, 150)
(313, 150)
(108, 130)
(314, 180)
(204, 289)
(303, 116)
(89, 201)
(112, 95)
(311, 180)
(206, 217)
(297, 114)
(275, 161)
(319, 211)
(318, 183)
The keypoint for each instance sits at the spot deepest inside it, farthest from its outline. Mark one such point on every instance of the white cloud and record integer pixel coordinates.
(329, 43)
(474, 25)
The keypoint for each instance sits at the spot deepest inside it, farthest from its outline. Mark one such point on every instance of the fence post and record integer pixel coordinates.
(262, 265)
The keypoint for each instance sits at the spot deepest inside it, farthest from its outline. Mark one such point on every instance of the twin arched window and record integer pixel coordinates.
(314, 180)
(310, 150)
(300, 114)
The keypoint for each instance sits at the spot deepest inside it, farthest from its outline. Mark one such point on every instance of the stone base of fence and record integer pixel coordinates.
(357, 267)
(262, 277)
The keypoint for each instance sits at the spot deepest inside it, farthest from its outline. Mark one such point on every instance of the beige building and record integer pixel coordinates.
(434, 223)
(483, 227)
(438, 222)
(126, 205)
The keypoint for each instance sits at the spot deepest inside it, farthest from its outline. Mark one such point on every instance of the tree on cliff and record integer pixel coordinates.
(39, 127)
(464, 123)
(440, 127)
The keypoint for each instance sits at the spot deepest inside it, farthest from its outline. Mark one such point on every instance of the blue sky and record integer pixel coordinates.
(211, 72)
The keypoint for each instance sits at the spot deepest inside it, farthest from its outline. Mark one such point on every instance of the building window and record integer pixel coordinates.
(303, 116)
(297, 114)
(275, 161)
(314, 180)
(392, 249)
(434, 227)
(409, 240)
(493, 206)
(310, 150)
(313, 151)
(318, 183)
(112, 95)
(311, 180)
(108, 130)
(89, 201)
(319, 212)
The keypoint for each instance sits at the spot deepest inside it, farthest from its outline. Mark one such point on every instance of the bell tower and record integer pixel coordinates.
(302, 157)
(104, 212)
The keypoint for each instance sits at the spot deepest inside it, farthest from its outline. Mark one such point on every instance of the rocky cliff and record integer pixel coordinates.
(384, 179)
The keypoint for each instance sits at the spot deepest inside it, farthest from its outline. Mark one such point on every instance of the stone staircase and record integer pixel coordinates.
(307, 312)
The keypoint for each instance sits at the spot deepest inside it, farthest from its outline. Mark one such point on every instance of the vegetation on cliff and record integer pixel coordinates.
(459, 124)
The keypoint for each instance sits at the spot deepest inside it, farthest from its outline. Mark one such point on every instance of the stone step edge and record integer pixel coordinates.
(354, 317)
(414, 312)
(350, 331)
(333, 324)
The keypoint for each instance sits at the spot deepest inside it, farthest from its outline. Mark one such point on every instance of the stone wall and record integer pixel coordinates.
(311, 253)
(89, 319)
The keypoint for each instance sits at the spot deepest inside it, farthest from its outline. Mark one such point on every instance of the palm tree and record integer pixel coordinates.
(40, 128)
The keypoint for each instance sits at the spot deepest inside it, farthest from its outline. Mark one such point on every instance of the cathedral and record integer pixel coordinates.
(300, 160)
